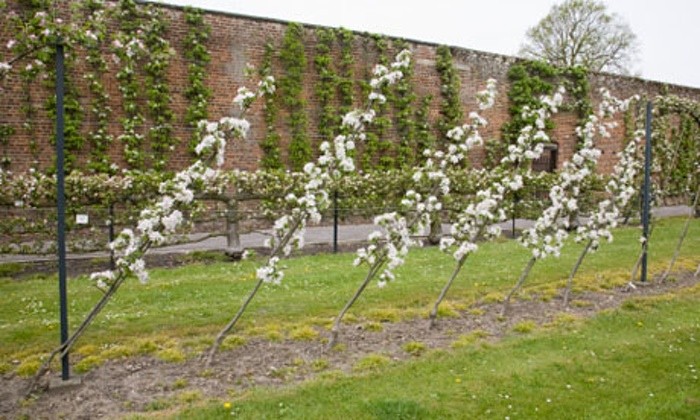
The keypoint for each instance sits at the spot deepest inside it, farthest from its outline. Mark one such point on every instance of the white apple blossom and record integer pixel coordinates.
(477, 220)
(288, 231)
(620, 190)
(244, 96)
(546, 237)
(4, 68)
(391, 245)
(162, 218)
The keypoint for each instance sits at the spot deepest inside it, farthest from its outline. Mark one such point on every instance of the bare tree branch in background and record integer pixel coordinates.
(582, 33)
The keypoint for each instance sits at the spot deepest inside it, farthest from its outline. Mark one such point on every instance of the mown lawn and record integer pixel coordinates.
(639, 362)
(178, 312)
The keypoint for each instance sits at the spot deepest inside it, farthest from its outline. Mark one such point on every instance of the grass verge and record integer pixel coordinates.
(176, 314)
(640, 361)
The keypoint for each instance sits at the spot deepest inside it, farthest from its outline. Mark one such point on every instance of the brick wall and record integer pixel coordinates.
(237, 40)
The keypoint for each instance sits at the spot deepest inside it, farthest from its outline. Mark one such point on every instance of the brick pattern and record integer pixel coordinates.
(237, 40)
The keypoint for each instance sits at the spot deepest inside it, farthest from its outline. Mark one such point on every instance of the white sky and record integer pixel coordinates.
(667, 30)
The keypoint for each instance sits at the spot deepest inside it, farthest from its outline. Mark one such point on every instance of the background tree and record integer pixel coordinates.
(582, 33)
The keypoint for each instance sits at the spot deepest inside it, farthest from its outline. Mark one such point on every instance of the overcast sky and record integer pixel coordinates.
(667, 30)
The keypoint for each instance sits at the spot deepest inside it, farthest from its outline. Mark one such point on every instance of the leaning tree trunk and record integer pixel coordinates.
(518, 285)
(222, 334)
(374, 269)
(232, 323)
(370, 275)
(570, 281)
(445, 289)
(65, 347)
(684, 233)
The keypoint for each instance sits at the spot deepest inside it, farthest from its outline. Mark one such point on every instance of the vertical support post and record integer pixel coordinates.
(61, 206)
(515, 204)
(233, 237)
(335, 221)
(646, 193)
(112, 264)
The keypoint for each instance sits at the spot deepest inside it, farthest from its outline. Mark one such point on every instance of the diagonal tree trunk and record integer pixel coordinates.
(518, 285)
(684, 233)
(65, 348)
(370, 275)
(232, 323)
(374, 269)
(445, 289)
(570, 281)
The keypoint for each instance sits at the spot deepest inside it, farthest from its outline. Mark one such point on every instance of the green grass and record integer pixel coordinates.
(179, 311)
(639, 362)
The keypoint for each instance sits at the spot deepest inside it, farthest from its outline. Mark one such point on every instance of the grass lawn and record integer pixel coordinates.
(178, 312)
(638, 362)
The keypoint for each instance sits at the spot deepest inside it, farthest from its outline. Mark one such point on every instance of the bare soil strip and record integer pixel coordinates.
(146, 384)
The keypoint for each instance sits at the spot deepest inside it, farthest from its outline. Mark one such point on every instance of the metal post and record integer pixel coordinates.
(515, 203)
(112, 264)
(646, 194)
(61, 207)
(335, 221)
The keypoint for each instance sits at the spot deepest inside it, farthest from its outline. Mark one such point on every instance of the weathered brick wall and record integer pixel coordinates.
(238, 40)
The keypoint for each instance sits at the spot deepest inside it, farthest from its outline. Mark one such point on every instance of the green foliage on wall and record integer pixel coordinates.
(29, 112)
(33, 29)
(380, 149)
(684, 167)
(129, 51)
(93, 36)
(451, 113)
(6, 131)
(577, 86)
(197, 55)
(529, 80)
(676, 145)
(425, 136)
(345, 80)
(160, 134)
(270, 145)
(532, 79)
(73, 117)
(405, 119)
(326, 85)
(293, 58)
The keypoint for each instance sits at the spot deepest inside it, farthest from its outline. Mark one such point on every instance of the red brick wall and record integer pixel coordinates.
(237, 40)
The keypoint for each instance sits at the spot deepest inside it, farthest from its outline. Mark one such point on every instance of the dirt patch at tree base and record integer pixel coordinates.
(145, 384)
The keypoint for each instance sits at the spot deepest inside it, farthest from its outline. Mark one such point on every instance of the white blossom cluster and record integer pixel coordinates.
(391, 244)
(269, 272)
(546, 237)
(620, 190)
(130, 45)
(335, 159)
(245, 97)
(214, 135)
(5, 68)
(534, 135)
(34, 32)
(162, 218)
(478, 220)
